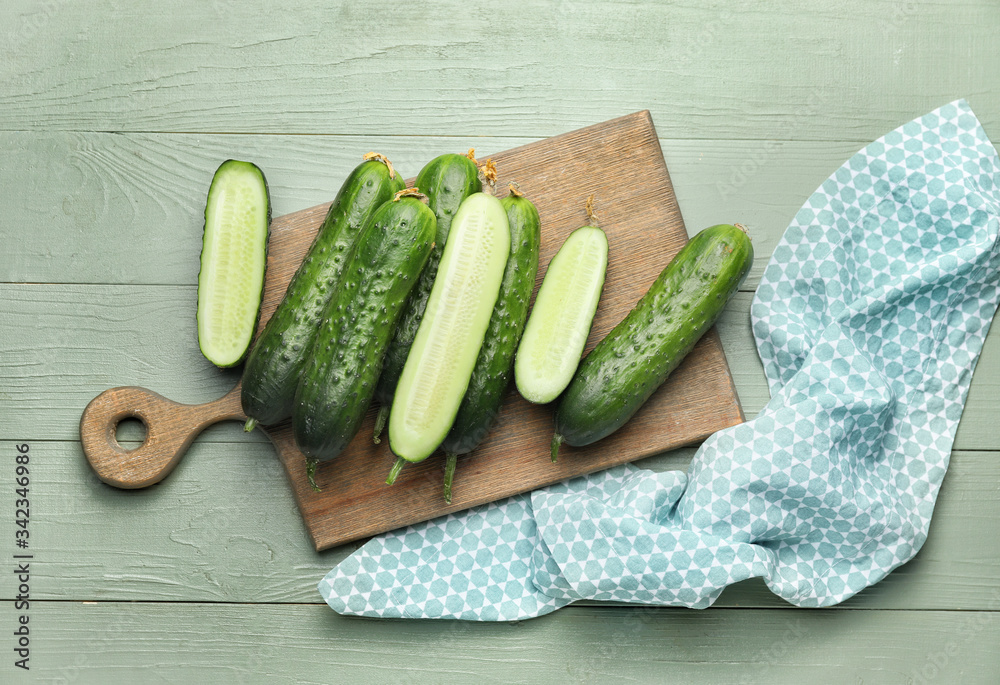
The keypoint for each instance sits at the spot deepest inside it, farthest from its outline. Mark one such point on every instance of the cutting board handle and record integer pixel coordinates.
(170, 428)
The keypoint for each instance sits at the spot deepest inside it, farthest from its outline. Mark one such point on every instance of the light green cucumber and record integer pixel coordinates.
(495, 364)
(444, 351)
(559, 324)
(233, 260)
(446, 180)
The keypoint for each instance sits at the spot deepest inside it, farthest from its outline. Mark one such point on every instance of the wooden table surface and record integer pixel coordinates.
(113, 117)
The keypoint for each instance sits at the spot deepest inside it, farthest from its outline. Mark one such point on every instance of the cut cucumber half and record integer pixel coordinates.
(233, 259)
(440, 362)
(560, 321)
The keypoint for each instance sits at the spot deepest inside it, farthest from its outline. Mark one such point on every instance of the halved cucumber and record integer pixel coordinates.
(560, 321)
(446, 180)
(495, 364)
(233, 259)
(444, 351)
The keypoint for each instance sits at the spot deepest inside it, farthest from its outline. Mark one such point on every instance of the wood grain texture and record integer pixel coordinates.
(170, 427)
(138, 200)
(225, 528)
(77, 192)
(718, 71)
(112, 643)
(621, 163)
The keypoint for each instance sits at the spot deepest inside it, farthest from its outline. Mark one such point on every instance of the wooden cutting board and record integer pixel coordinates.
(621, 163)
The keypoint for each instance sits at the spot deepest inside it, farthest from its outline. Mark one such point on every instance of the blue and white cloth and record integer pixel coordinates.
(869, 319)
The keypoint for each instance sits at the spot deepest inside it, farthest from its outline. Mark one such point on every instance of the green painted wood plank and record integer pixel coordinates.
(129, 208)
(224, 527)
(775, 69)
(63, 344)
(126, 643)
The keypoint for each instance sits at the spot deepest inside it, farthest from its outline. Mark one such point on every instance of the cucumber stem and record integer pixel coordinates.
(250, 425)
(449, 475)
(556, 441)
(311, 465)
(378, 157)
(394, 471)
(488, 170)
(380, 419)
(411, 192)
(591, 215)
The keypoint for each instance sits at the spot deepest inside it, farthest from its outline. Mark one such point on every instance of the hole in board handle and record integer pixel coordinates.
(130, 433)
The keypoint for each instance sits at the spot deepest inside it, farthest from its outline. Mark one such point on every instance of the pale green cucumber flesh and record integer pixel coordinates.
(446, 181)
(445, 349)
(495, 366)
(559, 324)
(233, 259)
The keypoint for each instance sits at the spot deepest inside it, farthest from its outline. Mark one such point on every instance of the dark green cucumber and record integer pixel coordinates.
(233, 261)
(446, 181)
(494, 365)
(636, 357)
(343, 365)
(275, 363)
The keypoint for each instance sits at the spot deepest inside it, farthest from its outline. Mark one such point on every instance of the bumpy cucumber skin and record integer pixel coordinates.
(339, 378)
(446, 181)
(636, 357)
(260, 296)
(272, 371)
(494, 365)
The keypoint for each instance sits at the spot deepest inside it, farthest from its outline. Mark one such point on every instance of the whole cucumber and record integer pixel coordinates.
(636, 357)
(272, 371)
(492, 372)
(446, 181)
(343, 365)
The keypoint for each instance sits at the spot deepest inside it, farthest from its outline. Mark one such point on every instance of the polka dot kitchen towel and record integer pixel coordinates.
(869, 320)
